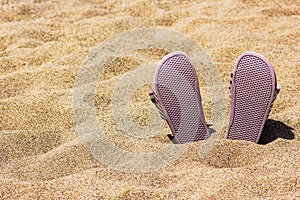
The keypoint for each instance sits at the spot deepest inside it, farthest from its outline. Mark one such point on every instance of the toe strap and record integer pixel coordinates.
(155, 101)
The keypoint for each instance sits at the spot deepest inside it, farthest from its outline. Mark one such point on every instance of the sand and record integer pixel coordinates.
(43, 45)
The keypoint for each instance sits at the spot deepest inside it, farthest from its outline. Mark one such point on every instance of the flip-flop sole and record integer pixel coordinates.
(177, 89)
(252, 91)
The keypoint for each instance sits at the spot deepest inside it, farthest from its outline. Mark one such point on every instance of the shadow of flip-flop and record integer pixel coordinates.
(275, 129)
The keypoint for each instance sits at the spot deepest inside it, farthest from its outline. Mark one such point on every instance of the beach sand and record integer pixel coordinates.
(43, 45)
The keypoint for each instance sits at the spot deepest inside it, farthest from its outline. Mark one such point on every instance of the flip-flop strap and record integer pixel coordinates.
(277, 90)
(155, 101)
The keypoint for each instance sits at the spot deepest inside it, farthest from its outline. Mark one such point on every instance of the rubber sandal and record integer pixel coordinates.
(176, 94)
(253, 89)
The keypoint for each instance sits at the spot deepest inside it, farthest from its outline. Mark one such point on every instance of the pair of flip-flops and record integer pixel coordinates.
(176, 94)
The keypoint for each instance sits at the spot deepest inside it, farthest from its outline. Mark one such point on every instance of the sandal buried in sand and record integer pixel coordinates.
(176, 94)
(253, 89)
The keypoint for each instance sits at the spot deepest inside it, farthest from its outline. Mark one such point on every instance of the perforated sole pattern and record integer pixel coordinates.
(176, 88)
(253, 85)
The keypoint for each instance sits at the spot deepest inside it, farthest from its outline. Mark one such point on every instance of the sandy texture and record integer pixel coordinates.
(44, 44)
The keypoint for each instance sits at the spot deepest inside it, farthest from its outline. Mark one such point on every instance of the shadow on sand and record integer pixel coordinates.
(272, 130)
(275, 129)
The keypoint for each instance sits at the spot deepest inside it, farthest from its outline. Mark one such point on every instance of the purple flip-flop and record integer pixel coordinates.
(253, 89)
(176, 94)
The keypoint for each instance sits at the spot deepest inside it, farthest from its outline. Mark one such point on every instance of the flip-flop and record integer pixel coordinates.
(253, 89)
(176, 94)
